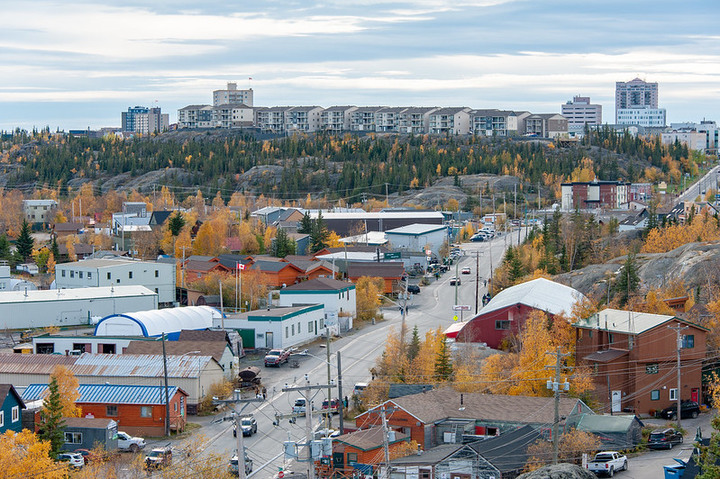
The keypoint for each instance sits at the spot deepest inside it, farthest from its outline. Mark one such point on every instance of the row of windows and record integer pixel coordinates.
(145, 411)
(312, 328)
(655, 394)
(109, 274)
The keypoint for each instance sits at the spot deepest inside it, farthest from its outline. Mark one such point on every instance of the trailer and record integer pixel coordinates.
(249, 377)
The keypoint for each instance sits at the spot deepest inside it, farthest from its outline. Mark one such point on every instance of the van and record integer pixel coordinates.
(359, 389)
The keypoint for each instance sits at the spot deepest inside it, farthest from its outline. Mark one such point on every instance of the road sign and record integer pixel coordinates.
(391, 255)
(455, 318)
(461, 307)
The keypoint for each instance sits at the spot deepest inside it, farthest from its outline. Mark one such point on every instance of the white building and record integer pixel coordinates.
(336, 118)
(642, 116)
(231, 95)
(233, 116)
(153, 323)
(66, 344)
(303, 118)
(338, 298)
(695, 140)
(415, 120)
(580, 112)
(363, 118)
(493, 123)
(708, 128)
(195, 116)
(157, 277)
(39, 211)
(8, 283)
(417, 237)
(271, 120)
(70, 307)
(277, 327)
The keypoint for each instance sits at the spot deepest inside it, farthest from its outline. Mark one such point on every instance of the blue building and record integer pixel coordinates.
(11, 405)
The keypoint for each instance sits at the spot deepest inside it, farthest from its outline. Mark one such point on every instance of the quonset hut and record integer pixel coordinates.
(156, 322)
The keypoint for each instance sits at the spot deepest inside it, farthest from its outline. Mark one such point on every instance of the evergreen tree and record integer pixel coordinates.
(414, 346)
(513, 264)
(282, 245)
(54, 248)
(176, 222)
(627, 281)
(443, 364)
(4, 247)
(53, 425)
(25, 242)
(306, 224)
(318, 235)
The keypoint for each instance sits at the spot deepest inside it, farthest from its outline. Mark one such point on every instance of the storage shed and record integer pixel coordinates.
(156, 322)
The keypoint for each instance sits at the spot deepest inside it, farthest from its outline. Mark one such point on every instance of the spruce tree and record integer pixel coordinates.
(176, 222)
(54, 248)
(25, 242)
(443, 364)
(306, 224)
(318, 235)
(414, 346)
(4, 247)
(53, 424)
(628, 280)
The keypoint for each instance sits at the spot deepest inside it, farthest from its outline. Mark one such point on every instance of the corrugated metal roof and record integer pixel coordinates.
(415, 229)
(74, 294)
(139, 365)
(33, 363)
(109, 393)
(541, 293)
(632, 322)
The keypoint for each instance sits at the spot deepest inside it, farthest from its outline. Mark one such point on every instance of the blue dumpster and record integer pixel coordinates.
(675, 471)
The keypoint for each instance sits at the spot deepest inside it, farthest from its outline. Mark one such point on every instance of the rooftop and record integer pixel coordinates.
(74, 294)
(416, 229)
(541, 293)
(139, 365)
(109, 393)
(630, 322)
(319, 284)
(368, 439)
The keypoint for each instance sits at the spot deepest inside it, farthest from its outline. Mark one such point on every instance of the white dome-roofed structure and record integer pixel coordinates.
(153, 323)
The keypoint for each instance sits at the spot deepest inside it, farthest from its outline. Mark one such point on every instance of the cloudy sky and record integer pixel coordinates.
(78, 64)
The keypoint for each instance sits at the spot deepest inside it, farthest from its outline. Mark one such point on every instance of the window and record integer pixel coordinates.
(688, 341)
(89, 275)
(111, 411)
(175, 406)
(109, 276)
(611, 338)
(310, 327)
(15, 414)
(631, 342)
(2, 418)
(129, 274)
(322, 325)
(673, 394)
(80, 274)
(292, 329)
(652, 368)
(157, 274)
(655, 395)
(590, 334)
(72, 274)
(63, 273)
(286, 332)
(145, 411)
(351, 458)
(502, 324)
(73, 438)
(299, 324)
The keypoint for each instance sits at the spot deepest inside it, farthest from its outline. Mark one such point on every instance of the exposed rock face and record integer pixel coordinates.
(559, 471)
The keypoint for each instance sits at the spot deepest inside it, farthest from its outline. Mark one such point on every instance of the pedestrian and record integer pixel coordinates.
(264, 392)
(346, 402)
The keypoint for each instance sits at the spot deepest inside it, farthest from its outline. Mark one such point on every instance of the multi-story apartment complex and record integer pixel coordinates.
(232, 96)
(415, 120)
(144, 120)
(635, 94)
(387, 119)
(545, 125)
(580, 112)
(641, 116)
(336, 118)
(450, 121)
(39, 211)
(271, 120)
(363, 118)
(303, 118)
(195, 116)
(703, 136)
(594, 194)
(493, 123)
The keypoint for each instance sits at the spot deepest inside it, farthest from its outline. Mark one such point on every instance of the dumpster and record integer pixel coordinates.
(675, 471)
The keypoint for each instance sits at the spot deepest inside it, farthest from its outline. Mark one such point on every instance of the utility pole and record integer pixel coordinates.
(340, 395)
(167, 394)
(477, 279)
(386, 444)
(555, 387)
(238, 429)
(328, 416)
(457, 280)
(677, 329)
(305, 391)
(182, 271)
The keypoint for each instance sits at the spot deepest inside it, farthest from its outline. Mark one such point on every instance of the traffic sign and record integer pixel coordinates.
(455, 318)
(391, 255)
(461, 307)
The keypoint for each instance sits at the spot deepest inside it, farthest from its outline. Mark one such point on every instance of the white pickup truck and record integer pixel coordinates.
(608, 462)
(129, 443)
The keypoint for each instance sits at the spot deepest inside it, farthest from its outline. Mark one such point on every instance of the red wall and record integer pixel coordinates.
(481, 329)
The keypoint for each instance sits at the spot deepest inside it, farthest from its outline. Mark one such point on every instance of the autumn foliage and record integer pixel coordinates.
(24, 455)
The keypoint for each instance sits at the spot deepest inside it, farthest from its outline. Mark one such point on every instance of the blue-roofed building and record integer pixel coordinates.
(137, 409)
(11, 406)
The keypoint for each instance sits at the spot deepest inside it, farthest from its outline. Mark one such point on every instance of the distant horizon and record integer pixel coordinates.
(78, 65)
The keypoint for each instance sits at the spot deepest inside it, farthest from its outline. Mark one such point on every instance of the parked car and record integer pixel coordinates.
(413, 288)
(333, 405)
(454, 280)
(359, 388)
(248, 425)
(608, 462)
(275, 357)
(477, 238)
(75, 459)
(466, 270)
(688, 409)
(664, 438)
(159, 458)
(320, 433)
(129, 443)
(233, 466)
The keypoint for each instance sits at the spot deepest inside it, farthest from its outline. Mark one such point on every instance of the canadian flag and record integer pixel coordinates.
(240, 266)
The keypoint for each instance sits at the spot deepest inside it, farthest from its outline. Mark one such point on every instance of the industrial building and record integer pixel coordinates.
(418, 237)
(153, 323)
(158, 277)
(70, 307)
(338, 297)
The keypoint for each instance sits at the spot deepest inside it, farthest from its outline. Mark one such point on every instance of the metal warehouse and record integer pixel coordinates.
(70, 307)
(154, 323)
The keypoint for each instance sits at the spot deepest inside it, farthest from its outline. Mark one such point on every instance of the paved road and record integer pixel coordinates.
(359, 350)
(708, 181)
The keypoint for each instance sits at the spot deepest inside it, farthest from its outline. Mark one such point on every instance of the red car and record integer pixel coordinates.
(334, 406)
(275, 357)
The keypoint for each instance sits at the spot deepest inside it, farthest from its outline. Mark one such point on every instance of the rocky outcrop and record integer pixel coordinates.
(559, 471)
